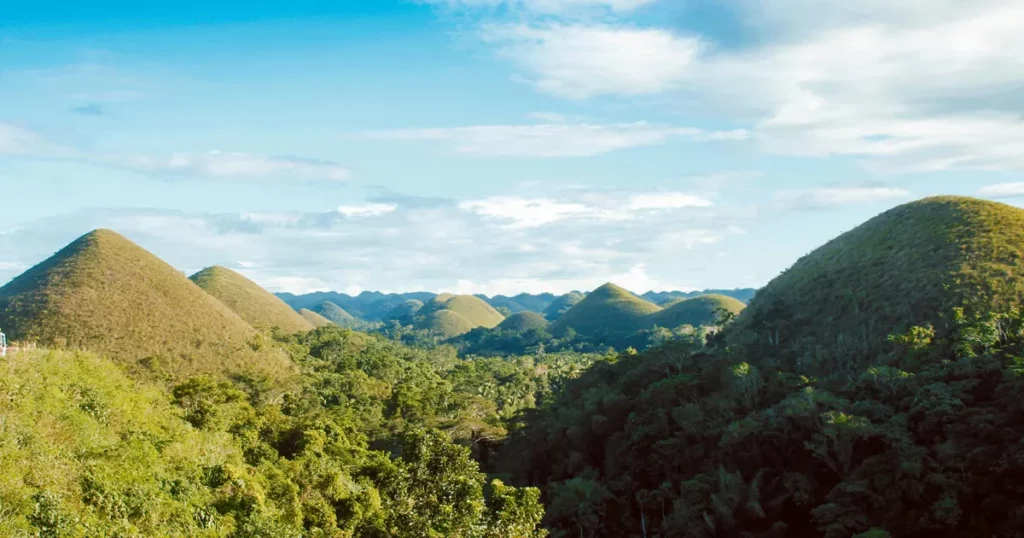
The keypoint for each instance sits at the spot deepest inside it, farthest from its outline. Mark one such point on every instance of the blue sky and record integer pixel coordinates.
(497, 146)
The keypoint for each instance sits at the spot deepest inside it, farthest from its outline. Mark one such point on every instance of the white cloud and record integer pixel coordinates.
(549, 6)
(366, 210)
(907, 86)
(667, 200)
(552, 140)
(837, 196)
(20, 142)
(1003, 190)
(523, 212)
(579, 61)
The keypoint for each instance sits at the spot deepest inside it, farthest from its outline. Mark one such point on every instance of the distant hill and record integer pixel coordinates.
(662, 297)
(333, 313)
(523, 321)
(474, 309)
(445, 323)
(608, 309)
(247, 299)
(376, 306)
(562, 305)
(106, 294)
(698, 311)
(524, 302)
(405, 312)
(908, 266)
(314, 319)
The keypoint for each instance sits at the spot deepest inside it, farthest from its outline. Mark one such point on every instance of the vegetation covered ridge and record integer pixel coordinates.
(258, 307)
(106, 294)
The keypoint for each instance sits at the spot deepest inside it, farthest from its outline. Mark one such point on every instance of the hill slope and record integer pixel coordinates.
(314, 319)
(474, 309)
(523, 321)
(562, 304)
(697, 311)
(106, 294)
(445, 323)
(908, 266)
(606, 310)
(247, 299)
(333, 313)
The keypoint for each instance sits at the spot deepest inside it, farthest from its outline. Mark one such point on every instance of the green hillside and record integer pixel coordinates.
(698, 311)
(247, 299)
(106, 294)
(333, 313)
(562, 304)
(665, 303)
(445, 323)
(314, 319)
(523, 321)
(605, 311)
(909, 266)
(474, 309)
(405, 312)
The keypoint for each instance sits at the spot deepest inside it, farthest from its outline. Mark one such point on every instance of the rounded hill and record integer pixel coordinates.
(106, 294)
(334, 313)
(562, 304)
(522, 322)
(608, 309)
(405, 311)
(702, 310)
(252, 303)
(474, 309)
(909, 266)
(314, 319)
(445, 323)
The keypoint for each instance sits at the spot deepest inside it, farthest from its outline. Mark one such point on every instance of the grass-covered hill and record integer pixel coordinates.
(909, 266)
(562, 304)
(247, 299)
(474, 309)
(106, 294)
(523, 321)
(445, 323)
(698, 311)
(606, 310)
(334, 313)
(405, 312)
(314, 319)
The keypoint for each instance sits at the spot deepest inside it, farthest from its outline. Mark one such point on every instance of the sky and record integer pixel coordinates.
(497, 146)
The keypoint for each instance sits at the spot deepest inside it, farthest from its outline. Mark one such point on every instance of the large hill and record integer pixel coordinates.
(314, 319)
(445, 323)
(334, 313)
(247, 299)
(909, 266)
(474, 309)
(523, 321)
(562, 304)
(698, 311)
(604, 311)
(106, 294)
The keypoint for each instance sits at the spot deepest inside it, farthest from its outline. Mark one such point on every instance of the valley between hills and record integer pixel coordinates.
(871, 390)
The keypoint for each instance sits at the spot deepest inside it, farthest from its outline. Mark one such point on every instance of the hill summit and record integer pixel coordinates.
(604, 310)
(106, 294)
(523, 321)
(252, 303)
(474, 309)
(909, 266)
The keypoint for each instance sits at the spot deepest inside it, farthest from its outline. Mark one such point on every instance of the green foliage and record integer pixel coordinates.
(258, 307)
(562, 304)
(106, 294)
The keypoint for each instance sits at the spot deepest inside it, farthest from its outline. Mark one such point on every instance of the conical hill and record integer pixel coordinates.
(603, 311)
(106, 294)
(260, 308)
(909, 266)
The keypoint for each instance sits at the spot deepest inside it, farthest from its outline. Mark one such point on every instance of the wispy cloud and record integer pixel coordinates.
(547, 6)
(367, 210)
(827, 197)
(91, 109)
(916, 87)
(554, 140)
(1003, 190)
(19, 142)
